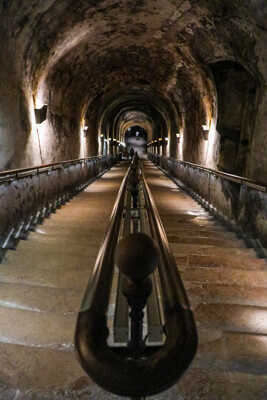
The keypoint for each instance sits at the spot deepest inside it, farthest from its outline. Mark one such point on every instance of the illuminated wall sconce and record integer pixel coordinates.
(85, 129)
(205, 129)
(40, 114)
(178, 137)
(166, 139)
(101, 135)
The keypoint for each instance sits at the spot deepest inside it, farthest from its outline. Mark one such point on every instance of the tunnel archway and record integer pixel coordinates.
(136, 139)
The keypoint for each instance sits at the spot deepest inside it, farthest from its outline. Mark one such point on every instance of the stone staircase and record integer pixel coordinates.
(227, 288)
(42, 285)
(43, 281)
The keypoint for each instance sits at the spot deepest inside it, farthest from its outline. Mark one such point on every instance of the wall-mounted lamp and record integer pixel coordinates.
(205, 129)
(166, 139)
(40, 114)
(85, 129)
(101, 135)
(178, 137)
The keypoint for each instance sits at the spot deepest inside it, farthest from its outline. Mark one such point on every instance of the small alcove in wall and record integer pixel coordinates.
(237, 103)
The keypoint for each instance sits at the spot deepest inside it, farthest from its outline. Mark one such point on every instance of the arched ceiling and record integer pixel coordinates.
(154, 54)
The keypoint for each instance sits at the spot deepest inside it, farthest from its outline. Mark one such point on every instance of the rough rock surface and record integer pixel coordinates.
(100, 60)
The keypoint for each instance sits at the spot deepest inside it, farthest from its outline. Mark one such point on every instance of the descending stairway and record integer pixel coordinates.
(42, 285)
(227, 288)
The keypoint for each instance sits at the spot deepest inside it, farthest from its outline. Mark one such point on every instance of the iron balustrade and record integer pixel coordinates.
(116, 369)
(28, 195)
(160, 160)
(238, 202)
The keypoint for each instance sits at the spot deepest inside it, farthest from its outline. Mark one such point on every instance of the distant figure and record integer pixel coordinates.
(131, 153)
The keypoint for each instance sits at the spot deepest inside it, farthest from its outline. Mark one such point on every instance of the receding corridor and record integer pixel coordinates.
(115, 115)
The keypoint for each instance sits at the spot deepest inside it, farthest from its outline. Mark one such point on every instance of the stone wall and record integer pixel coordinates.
(27, 195)
(235, 201)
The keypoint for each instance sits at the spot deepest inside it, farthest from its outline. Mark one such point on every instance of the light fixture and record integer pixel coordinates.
(40, 114)
(166, 139)
(85, 128)
(205, 129)
(101, 135)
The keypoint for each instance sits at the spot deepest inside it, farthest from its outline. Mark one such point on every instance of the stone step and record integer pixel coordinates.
(232, 317)
(42, 258)
(210, 384)
(209, 241)
(219, 276)
(188, 230)
(82, 238)
(40, 299)
(32, 328)
(225, 261)
(205, 249)
(75, 278)
(37, 368)
(226, 294)
(244, 353)
(50, 244)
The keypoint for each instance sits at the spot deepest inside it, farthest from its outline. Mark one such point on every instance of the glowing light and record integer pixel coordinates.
(205, 127)
(166, 139)
(211, 149)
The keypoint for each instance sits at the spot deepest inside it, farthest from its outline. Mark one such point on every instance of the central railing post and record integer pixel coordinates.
(137, 257)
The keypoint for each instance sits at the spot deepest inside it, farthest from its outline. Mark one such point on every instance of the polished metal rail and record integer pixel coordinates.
(28, 195)
(29, 171)
(114, 368)
(239, 203)
(230, 177)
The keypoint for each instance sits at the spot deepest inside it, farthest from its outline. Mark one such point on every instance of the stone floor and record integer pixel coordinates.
(227, 288)
(42, 285)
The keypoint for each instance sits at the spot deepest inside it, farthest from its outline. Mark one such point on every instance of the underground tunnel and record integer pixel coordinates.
(182, 84)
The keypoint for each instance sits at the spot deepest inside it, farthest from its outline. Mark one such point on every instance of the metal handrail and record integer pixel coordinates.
(115, 370)
(98, 290)
(230, 177)
(39, 168)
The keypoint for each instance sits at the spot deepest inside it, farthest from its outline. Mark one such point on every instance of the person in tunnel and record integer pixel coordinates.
(131, 153)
